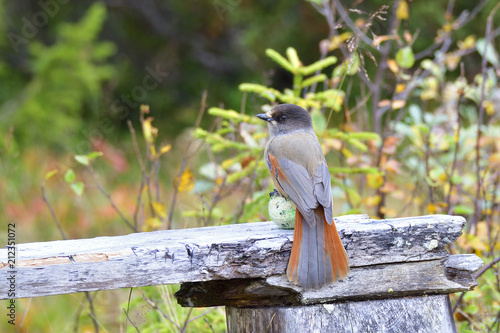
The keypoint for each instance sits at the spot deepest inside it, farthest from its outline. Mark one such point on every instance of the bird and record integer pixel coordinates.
(298, 168)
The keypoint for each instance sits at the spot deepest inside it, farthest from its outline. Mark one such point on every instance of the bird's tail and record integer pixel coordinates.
(318, 257)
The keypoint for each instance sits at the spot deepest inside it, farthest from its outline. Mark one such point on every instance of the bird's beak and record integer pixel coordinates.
(264, 116)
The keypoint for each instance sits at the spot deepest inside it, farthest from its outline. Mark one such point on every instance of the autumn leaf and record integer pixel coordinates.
(494, 160)
(388, 212)
(375, 180)
(400, 87)
(152, 223)
(165, 149)
(186, 182)
(51, 173)
(159, 209)
(431, 208)
(390, 144)
(402, 12)
(393, 65)
(398, 104)
(149, 132)
(393, 166)
(372, 201)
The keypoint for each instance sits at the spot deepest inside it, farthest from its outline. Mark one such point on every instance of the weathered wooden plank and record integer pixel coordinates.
(251, 250)
(415, 314)
(367, 282)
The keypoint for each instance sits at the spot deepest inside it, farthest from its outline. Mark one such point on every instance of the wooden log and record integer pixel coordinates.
(240, 251)
(363, 283)
(415, 314)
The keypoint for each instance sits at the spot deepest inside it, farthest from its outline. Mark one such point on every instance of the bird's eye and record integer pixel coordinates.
(283, 117)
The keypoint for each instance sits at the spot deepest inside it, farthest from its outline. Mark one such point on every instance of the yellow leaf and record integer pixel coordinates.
(147, 129)
(388, 212)
(152, 223)
(452, 61)
(379, 39)
(448, 27)
(431, 208)
(338, 40)
(51, 173)
(489, 107)
(374, 180)
(159, 209)
(186, 183)
(494, 160)
(152, 149)
(372, 201)
(384, 103)
(335, 144)
(346, 152)
(407, 36)
(165, 149)
(467, 43)
(227, 163)
(442, 177)
(393, 65)
(402, 11)
(400, 87)
(398, 104)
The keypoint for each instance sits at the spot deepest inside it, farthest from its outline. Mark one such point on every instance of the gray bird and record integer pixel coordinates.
(298, 169)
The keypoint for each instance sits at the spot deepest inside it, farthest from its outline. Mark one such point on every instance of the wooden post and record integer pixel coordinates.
(408, 314)
(401, 273)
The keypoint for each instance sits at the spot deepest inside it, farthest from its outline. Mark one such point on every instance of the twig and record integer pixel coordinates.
(157, 308)
(126, 314)
(489, 25)
(239, 210)
(143, 172)
(185, 160)
(457, 145)
(486, 267)
(377, 84)
(186, 322)
(478, 274)
(201, 315)
(54, 217)
(103, 191)
(206, 321)
(92, 312)
(461, 22)
(351, 24)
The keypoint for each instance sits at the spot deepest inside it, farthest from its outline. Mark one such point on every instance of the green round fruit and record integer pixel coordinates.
(282, 211)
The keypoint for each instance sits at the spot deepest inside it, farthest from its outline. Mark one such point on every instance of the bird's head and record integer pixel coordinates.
(287, 118)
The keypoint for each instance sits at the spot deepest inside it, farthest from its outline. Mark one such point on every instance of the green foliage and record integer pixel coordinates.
(66, 82)
(243, 137)
(168, 316)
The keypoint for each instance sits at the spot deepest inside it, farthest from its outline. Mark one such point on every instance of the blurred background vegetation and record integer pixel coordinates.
(404, 96)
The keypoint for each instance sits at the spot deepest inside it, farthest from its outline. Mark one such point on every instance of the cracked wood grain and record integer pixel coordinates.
(239, 251)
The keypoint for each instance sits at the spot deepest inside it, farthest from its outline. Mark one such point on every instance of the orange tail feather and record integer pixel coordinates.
(318, 256)
(293, 262)
(336, 252)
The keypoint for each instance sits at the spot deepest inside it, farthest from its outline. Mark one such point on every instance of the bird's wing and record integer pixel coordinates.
(306, 191)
